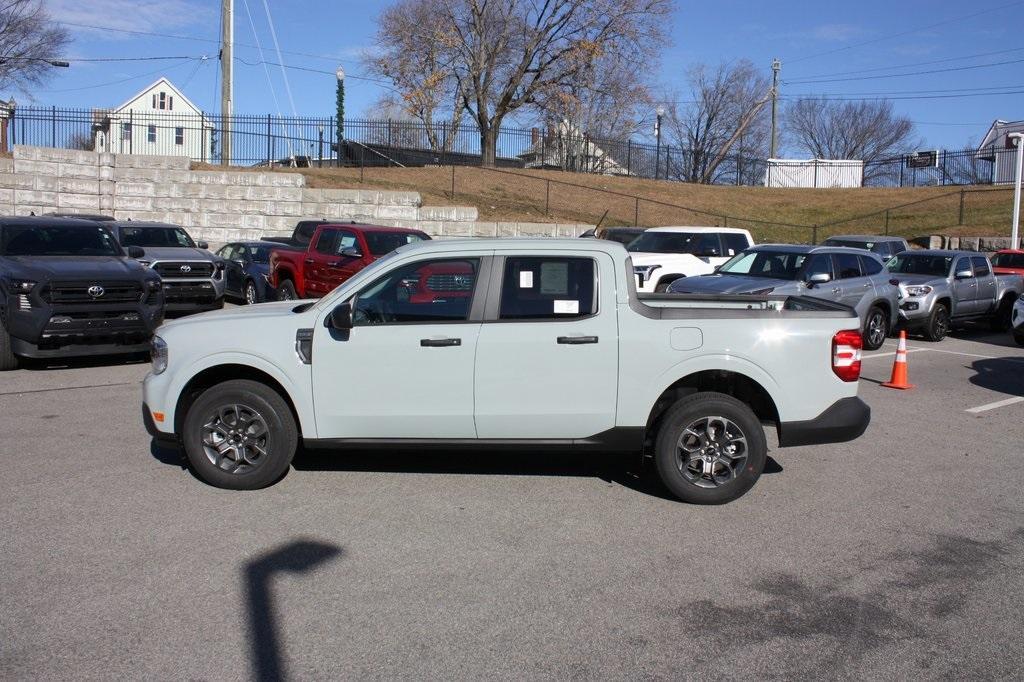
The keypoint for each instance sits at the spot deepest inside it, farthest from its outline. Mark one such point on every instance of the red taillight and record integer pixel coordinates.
(846, 346)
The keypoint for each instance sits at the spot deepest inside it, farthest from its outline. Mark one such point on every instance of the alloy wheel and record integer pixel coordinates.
(250, 294)
(711, 452)
(876, 330)
(235, 438)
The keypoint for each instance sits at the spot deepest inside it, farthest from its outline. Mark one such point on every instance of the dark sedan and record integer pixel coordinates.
(248, 265)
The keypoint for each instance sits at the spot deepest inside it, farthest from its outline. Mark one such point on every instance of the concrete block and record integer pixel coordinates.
(312, 195)
(45, 183)
(37, 167)
(338, 196)
(105, 173)
(133, 203)
(29, 209)
(31, 197)
(76, 170)
(485, 228)
(105, 159)
(176, 204)
(933, 241)
(6, 165)
(235, 193)
(506, 229)
(279, 179)
(78, 185)
(396, 211)
(952, 242)
(993, 243)
(82, 201)
(455, 229)
(22, 181)
(225, 220)
(135, 189)
(432, 227)
(147, 161)
(279, 225)
(6, 196)
(399, 198)
(437, 213)
(253, 222)
(27, 152)
(970, 243)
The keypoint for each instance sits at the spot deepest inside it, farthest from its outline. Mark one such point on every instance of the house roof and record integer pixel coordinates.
(160, 81)
(998, 129)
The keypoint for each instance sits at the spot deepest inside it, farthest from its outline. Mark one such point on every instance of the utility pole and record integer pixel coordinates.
(227, 84)
(776, 65)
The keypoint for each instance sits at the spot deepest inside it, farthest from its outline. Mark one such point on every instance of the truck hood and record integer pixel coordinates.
(261, 311)
(727, 284)
(647, 258)
(918, 279)
(74, 267)
(154, 253)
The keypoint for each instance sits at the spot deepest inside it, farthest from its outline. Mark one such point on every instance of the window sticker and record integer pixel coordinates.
(526, 279)
(567, 307)
(554, 278)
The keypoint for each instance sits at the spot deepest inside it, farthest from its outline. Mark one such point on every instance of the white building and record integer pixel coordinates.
(814, 173)
(159, 120)
(998, 148)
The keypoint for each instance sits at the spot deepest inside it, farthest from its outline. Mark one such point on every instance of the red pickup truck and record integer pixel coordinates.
(311, 266)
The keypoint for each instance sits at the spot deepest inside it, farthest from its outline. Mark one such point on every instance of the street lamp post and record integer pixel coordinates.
(660, 111)
(340, 132)
(1019, 141)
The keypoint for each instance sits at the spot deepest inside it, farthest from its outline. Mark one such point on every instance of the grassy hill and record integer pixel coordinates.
(771, 214)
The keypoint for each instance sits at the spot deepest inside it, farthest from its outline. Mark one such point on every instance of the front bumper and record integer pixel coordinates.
(843, 421)
(193, 295)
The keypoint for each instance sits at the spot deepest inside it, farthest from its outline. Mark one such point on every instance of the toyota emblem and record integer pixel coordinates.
(186, 268)
(95, 291)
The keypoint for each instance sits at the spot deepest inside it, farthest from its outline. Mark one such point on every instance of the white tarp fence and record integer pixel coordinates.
(814, 173)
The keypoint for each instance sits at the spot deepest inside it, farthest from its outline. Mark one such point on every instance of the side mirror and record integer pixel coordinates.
(136, 252)
(818, 278)
(351, 252)
(341, 317)
(964, 274)
(202, 245)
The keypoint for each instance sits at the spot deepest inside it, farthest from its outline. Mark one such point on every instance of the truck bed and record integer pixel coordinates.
(675, 306)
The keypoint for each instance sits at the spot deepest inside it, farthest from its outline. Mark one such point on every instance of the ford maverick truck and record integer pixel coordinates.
(68, 289)
(547, 345)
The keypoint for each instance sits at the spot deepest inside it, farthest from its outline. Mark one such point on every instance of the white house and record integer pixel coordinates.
(998, 148)
(159, 120)
(569, 148)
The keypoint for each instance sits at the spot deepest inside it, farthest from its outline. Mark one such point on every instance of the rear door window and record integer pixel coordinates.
(734, 242)
(708, 244)
(847, 265)
(981, 268)
(548, 288)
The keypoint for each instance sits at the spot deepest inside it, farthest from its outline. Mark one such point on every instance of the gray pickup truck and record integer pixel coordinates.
(943, 288)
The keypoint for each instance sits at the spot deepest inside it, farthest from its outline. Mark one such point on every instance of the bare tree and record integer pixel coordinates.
(82, 140)
(867, 130)
(723, 112)
(29, 42)
(414, 52)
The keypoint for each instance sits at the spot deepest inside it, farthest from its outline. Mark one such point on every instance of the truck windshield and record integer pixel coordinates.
(381, 243)
(852, 243)
(906, 264)
(155, 236)
(52, 240)
(666, 242)
(1008, 260)
(765, 264)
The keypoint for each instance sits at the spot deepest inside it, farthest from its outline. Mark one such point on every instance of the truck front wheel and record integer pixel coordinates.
(240, 434)
(286, 292)
(710, 448)
(938, 323)
(7, 358)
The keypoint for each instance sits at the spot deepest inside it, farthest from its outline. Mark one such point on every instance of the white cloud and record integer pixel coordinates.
(155, 16)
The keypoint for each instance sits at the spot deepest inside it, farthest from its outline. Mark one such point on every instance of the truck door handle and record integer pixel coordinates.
(835, 290)
(867, 284)
(577, 340)
(334, 263)
(310, 261)
(440, 343)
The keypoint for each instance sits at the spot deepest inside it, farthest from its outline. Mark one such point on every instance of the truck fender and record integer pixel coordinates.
(301, 397)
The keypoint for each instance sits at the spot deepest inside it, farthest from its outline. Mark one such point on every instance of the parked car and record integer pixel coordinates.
(661, 255)
(247, 271)
(885, 247)
(1017, 320)
(623, 235)
(944, 288)
(68, 289)
(1008, 262)
(193, 277)
(552, 346)
(335, 252)
(852, 277)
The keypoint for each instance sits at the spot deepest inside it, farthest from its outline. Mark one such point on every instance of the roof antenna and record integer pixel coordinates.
(31, 213)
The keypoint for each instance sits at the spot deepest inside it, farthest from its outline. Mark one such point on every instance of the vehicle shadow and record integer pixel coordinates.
(1003, 375)
(298, 557)
(49, 364)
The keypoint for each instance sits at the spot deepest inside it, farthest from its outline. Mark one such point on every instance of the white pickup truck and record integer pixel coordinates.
(509, 343)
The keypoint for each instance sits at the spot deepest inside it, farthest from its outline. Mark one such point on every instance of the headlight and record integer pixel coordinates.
(145, 263)
(20, 286)
(154, 284)
(919, 290)
(218, 270)
(158, 353)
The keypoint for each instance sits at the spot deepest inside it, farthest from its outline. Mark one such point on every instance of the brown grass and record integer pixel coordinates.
(771, 214)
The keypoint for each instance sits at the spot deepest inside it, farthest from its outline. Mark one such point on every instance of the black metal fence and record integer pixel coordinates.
(273, 140)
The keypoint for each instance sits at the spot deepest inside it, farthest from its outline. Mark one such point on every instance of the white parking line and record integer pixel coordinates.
(890, 353)
(997, 404)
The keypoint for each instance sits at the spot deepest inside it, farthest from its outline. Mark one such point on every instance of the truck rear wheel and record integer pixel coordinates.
(710, 448)
(8, 360)
(1000, 321)
(876, 328)
(240, 434)
(286, 292)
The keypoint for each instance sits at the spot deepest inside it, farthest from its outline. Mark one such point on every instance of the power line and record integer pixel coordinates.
(911, 73)
(124, 80)
(917, 29)
(907, 66)
(841, 98)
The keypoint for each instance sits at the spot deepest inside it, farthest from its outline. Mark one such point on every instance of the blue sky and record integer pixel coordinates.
(816, 41)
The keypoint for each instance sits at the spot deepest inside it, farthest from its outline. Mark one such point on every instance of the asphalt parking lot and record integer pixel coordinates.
(898, 555)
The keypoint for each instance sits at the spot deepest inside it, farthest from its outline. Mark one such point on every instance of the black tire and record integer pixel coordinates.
(676, 465)
(938, 325)
(286, 292)
(250, 293)
(1001, 321)
(236, 417)
(663, 285)
(8, 360)
(1018, 336)
(876, 328)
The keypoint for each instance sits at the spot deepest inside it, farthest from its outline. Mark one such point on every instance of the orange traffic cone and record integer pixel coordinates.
(899, 368)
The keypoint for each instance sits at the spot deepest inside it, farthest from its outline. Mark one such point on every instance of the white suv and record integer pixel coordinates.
(661, 255)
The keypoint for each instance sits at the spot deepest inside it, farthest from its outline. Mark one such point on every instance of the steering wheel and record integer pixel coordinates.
(371, 311)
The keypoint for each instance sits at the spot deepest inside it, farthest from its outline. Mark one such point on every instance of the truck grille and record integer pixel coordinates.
(189, 292)
(59, 293)
(172, 269)
(450, 282)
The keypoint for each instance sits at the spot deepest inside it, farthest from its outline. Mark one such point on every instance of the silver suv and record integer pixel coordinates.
(853, 277)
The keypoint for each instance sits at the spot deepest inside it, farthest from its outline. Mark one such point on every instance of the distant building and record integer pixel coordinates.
(831, 173)
(568, 148)
(158, 120)
(998, 148)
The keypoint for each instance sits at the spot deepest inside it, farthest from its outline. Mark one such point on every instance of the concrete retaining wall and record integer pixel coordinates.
(221, 206)
(985, 244)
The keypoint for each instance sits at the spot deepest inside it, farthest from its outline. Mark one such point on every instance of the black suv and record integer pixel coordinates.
(68, 289)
